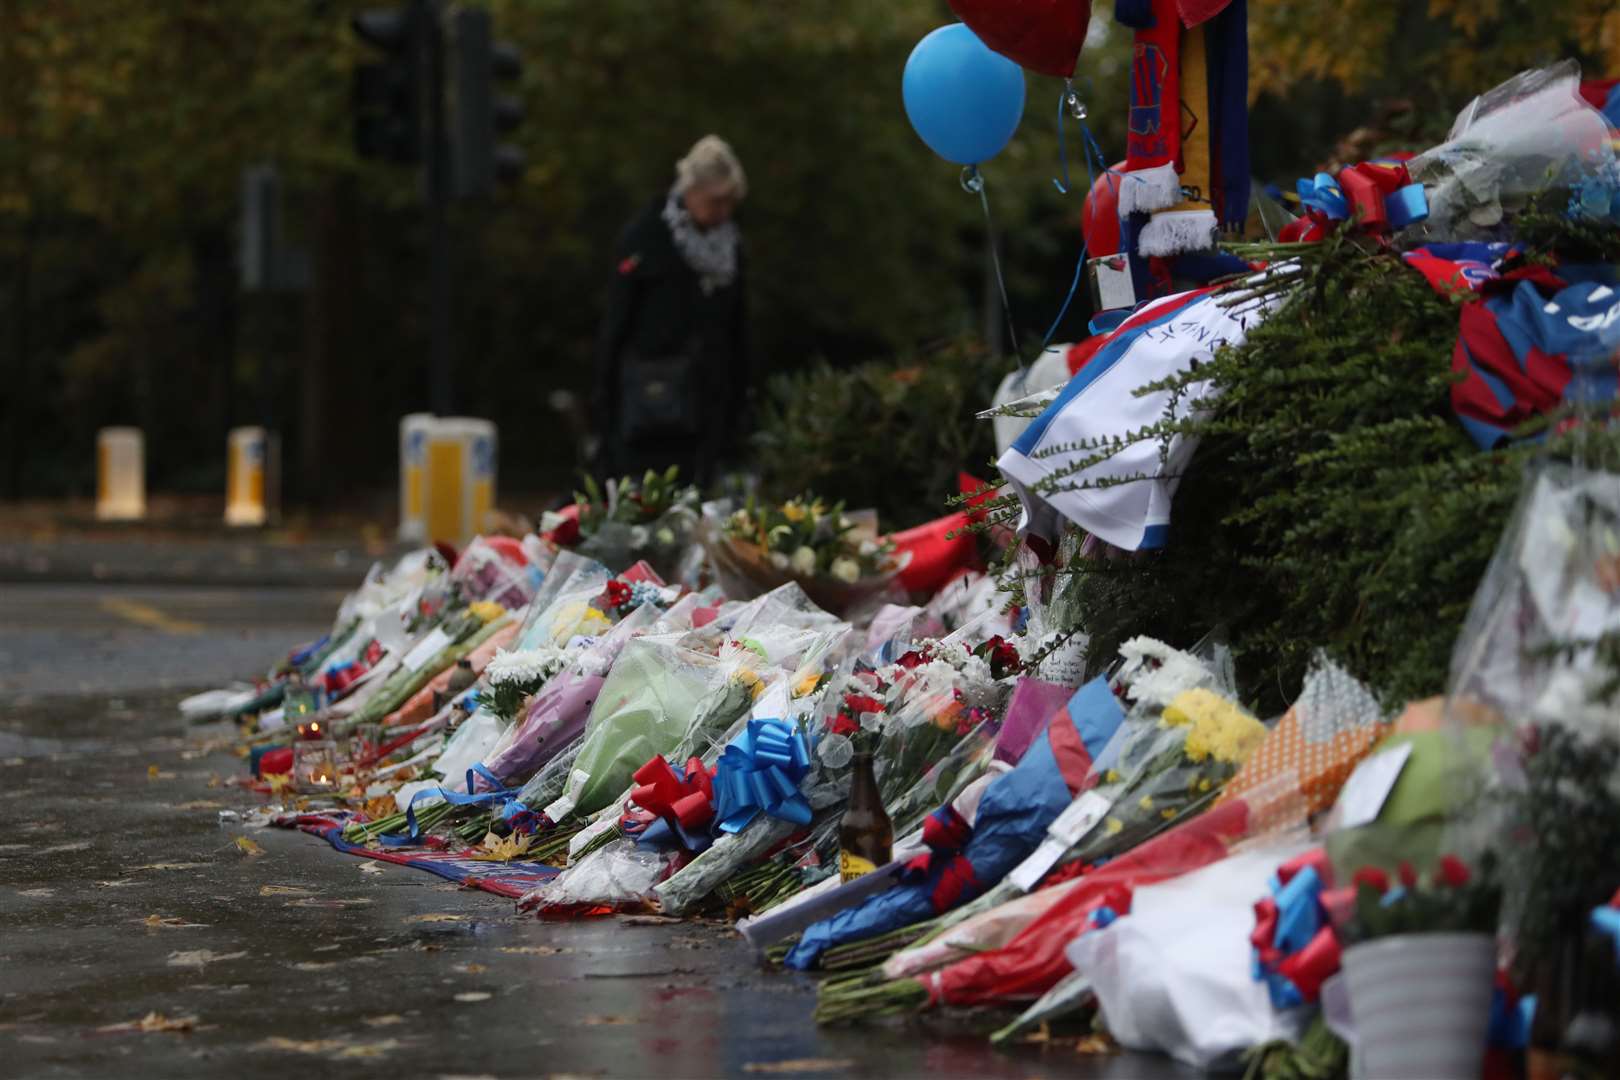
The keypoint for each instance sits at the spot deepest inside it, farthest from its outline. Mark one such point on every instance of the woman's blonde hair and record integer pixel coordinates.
(711, 163)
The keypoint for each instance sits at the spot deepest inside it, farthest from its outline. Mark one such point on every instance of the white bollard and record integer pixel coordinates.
(413, 436)
(459, 488)
(120, 474)
(252, 473)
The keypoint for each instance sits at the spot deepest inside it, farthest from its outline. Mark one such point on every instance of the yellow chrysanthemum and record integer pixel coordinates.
(1217, 728)
(1113, 826)
(1111, 776)
(1204, 785)
(486, 610)
(807, 685)
(794, 511)
(1145, 802)
(1167, 814)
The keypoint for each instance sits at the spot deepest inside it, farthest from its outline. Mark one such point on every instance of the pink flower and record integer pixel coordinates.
(1408, 875)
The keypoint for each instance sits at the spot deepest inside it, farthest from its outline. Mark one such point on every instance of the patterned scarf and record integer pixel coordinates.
(711, 253)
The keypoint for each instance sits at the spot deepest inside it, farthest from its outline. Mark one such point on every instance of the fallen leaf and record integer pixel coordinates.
(283, 890)
(535, 950)
(439, 916)
(322, 902)
(119, 884)
(800, 1065)
(315, 965)
(301, 1046)
(369, 1050)
(168, 866)
(154, 1021)
(470, 996)
(279, 782)
(198, 958)
(327, 948)
(248, 847)
(154, 773)
(62, 849)
(604, 1021)
(503, 848)
(471, 968)
(198, 804)
(170, 922)
(370, 868)
(388, 1020)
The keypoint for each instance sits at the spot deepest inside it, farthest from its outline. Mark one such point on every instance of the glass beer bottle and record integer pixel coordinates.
(866, 837)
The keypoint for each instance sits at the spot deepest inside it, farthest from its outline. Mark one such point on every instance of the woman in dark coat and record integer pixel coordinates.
(672, 366)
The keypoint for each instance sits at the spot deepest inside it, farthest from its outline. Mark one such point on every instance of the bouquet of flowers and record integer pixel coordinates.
(496, 570)
(654, 519)
(837, 557)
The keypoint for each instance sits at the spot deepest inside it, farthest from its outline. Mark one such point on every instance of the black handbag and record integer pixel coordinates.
(658, 398)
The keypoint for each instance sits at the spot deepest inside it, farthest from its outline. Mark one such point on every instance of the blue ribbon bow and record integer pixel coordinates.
(1323, 193)
(759, 773)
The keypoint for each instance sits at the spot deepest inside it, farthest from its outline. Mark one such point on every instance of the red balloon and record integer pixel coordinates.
(1042, 35)
(1099, 214)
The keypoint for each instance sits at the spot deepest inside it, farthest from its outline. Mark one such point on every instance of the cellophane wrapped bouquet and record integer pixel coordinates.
(837, 557)
(653, 519)
(1534, 710)
(681, 800)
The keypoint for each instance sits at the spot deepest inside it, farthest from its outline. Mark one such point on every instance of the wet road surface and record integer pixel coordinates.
(122, 896)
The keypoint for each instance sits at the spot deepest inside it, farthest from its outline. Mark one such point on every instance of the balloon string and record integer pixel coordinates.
(1089, 148)
(1068, 102)
(973, 182)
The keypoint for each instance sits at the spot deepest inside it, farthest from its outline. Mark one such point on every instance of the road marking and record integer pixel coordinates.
(146, 615)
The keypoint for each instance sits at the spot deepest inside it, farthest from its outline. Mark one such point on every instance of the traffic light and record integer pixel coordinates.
(388, 94)
(482, 116)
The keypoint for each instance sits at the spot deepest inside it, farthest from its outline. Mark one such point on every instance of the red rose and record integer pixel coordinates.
(862, 703)
(843, 724)
(616, 594)
(910, 660)
(1371, 875)
(1453, 871)
(1408, 875)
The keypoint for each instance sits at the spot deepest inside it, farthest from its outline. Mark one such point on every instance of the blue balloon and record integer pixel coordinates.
(962, 98)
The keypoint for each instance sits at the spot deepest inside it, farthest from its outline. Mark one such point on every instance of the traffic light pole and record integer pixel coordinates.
(438, 206)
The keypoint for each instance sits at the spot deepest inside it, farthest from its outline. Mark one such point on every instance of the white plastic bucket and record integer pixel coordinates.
(1421, 1005)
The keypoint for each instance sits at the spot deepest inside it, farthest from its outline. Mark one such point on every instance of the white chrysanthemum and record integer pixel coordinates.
(525, 666)
(845, 569)
(1154, 674)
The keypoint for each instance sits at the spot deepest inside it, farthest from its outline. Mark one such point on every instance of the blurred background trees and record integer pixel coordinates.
(125, 127)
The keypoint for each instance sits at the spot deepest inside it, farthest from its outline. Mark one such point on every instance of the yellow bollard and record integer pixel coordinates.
(413, 436)
(252, 461)
(120, 474)
(460, 478)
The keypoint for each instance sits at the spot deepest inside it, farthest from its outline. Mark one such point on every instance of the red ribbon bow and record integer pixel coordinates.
(661, 792)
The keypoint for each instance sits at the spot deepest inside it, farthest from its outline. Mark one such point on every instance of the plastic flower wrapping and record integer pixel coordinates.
(1519, 139)
(1532, 757)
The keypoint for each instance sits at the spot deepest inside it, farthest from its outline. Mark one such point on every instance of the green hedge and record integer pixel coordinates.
(888, 434)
